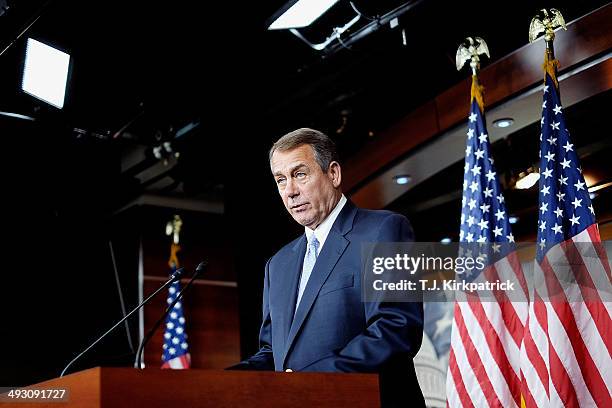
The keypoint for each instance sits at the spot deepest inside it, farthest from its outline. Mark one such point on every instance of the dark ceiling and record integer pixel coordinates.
(144, 70)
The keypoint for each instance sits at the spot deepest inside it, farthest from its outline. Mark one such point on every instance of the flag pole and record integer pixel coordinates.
(176, 354)
(174, 228)
(485, 331)
(471, 50)
(546, 23)
(565, 358)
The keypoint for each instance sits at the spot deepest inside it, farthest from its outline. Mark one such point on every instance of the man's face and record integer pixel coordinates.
(309, 194)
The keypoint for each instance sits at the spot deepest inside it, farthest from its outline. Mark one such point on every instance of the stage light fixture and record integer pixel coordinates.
(45, 73)
(300, 13)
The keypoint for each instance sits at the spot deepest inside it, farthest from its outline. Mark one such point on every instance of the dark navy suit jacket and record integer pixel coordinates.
(333, 330)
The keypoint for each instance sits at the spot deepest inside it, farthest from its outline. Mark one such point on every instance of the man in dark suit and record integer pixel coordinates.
(313, 316)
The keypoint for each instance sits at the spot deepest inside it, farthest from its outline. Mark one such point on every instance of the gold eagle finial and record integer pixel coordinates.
(471, 49)
(174, 228)
(546, 25)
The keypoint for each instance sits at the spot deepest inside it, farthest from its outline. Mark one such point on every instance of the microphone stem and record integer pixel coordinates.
(139, 353)
(165, 285)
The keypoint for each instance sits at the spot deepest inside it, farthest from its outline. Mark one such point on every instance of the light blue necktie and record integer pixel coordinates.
(309, 263)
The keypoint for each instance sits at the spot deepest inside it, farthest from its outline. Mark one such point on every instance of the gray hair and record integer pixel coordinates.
(324, 148)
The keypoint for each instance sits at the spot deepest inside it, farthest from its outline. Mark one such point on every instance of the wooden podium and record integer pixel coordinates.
(128, 387)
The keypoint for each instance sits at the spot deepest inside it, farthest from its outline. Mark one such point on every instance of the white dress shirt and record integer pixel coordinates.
(321, 233)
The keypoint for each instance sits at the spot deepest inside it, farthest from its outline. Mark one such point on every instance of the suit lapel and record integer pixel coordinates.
(334, 247)
(291, 276)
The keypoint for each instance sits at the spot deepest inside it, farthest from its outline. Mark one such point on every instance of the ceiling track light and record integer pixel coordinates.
(402, 179)
(527, 179)
(503, 123)
(299, 14)
(282, 20)
(336, 33)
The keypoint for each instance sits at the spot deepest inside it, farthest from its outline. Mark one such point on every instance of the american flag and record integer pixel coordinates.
(566, 356)
(487, 331)
(175, 349)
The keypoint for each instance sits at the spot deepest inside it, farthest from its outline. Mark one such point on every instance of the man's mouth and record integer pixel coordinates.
(298, 207)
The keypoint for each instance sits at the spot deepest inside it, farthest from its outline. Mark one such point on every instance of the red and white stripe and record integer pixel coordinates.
(178, 363)
(567, 352)
(486, 337)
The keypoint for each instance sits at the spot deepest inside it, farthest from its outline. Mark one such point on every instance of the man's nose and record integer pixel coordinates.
(291, 189)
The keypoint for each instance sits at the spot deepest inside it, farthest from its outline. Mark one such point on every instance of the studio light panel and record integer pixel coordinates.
(45, 73)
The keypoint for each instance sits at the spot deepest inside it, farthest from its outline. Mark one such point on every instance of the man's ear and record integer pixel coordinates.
(335, 174)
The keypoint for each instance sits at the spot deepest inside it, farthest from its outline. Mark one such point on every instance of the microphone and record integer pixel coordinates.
(138, 361)
(174, 277)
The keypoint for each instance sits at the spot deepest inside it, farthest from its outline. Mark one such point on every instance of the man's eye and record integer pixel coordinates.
(300, 174)
(280, 181)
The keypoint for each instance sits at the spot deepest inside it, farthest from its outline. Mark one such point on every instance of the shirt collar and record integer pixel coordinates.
(322, 231)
